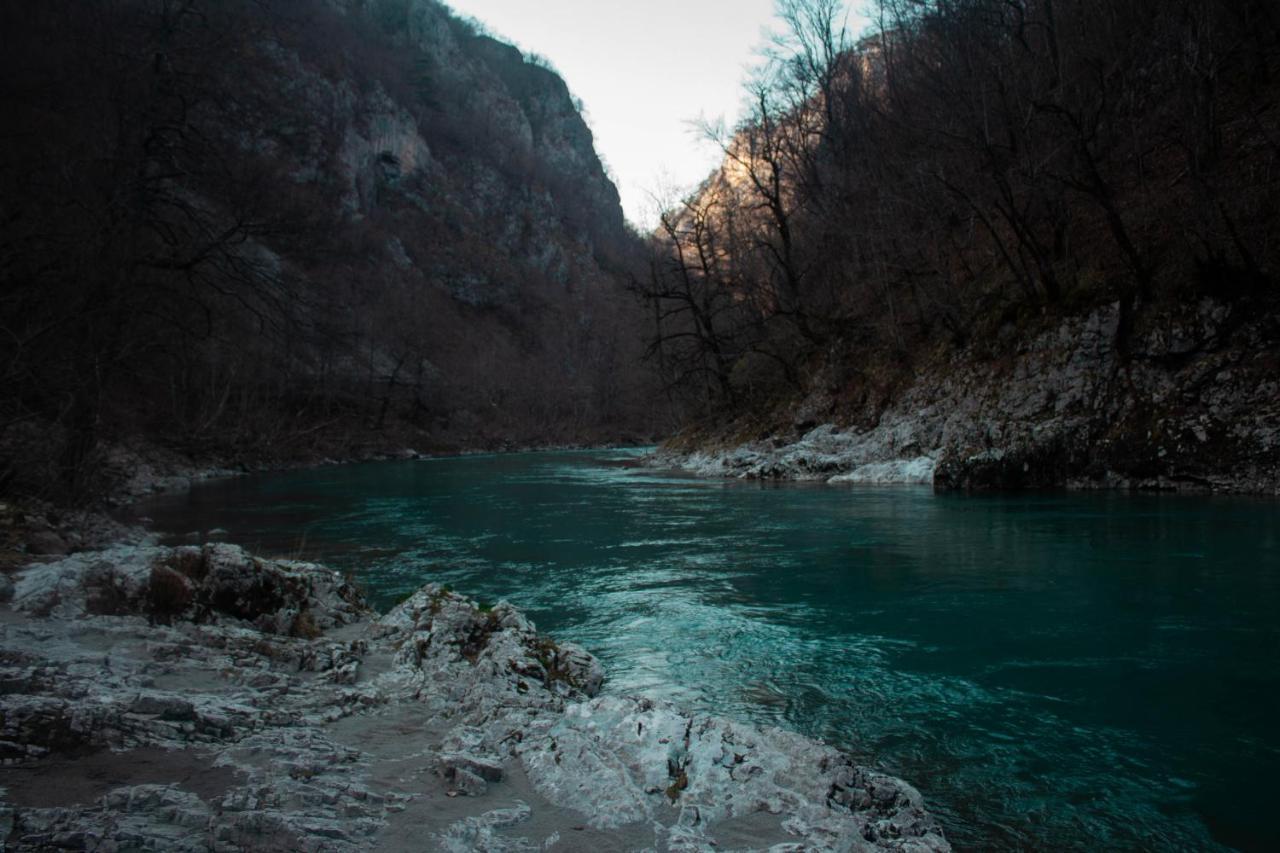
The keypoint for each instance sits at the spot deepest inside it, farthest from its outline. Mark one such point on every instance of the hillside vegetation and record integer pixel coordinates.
(273, 230)
(968, 178)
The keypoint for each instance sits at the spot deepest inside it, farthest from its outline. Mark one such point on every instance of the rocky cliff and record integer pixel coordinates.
(280, 229)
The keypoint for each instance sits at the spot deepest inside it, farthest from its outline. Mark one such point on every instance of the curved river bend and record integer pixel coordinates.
(1065, 671)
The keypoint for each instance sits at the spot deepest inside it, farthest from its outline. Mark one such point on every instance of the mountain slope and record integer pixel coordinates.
(1016, 244)
(268, 230)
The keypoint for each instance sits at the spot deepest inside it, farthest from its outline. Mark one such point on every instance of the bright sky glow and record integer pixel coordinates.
(645, 69)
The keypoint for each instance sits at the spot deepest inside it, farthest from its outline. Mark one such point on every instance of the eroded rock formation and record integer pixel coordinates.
(203, 699)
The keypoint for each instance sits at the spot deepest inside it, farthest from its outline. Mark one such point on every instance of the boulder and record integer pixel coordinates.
(46, 543)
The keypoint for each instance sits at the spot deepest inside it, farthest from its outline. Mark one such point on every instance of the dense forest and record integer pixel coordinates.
(272, 230)
(967, 174)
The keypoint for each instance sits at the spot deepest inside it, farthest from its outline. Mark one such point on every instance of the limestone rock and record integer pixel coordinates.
(226, 727)
(625, 760)
(1069, 410)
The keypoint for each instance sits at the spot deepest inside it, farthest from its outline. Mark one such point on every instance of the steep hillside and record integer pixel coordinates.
(274, 230)
(991, 245)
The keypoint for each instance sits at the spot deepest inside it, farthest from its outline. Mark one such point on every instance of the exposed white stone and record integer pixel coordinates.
(337, 730)
(625, 760)
(917, 471)
(1049, 417)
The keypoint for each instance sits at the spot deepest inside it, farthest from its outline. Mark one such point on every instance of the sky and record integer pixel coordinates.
(645, 69)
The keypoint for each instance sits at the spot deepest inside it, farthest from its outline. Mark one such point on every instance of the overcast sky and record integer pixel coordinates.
(644, 69)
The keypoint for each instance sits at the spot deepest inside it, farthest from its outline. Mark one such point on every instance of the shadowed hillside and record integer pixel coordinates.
(1038, 238)
(273, 230)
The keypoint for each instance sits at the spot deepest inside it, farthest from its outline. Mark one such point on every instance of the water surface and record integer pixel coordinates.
(1064, 671)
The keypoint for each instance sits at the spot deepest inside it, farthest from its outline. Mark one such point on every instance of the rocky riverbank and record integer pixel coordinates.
(203, 699)
(1192, 403)
(142, 470)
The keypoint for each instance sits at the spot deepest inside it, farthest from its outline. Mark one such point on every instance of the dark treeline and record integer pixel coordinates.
(258, 228)
(971, 169)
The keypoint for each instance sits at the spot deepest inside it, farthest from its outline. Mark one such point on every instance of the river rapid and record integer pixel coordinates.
(1065, 670)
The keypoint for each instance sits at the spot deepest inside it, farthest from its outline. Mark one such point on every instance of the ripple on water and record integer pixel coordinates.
(1067, 672)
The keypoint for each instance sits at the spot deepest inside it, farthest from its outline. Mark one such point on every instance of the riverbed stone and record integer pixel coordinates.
(46, 543)
(442, 724)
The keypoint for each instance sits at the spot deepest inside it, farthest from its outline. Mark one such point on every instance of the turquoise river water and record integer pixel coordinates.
(1052, 671)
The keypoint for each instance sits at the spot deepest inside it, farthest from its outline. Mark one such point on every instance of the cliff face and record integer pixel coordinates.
(289, 229)
(465, 141)
(472, 171)
(486, 127)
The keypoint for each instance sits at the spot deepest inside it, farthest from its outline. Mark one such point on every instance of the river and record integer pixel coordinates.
(1062, 671)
